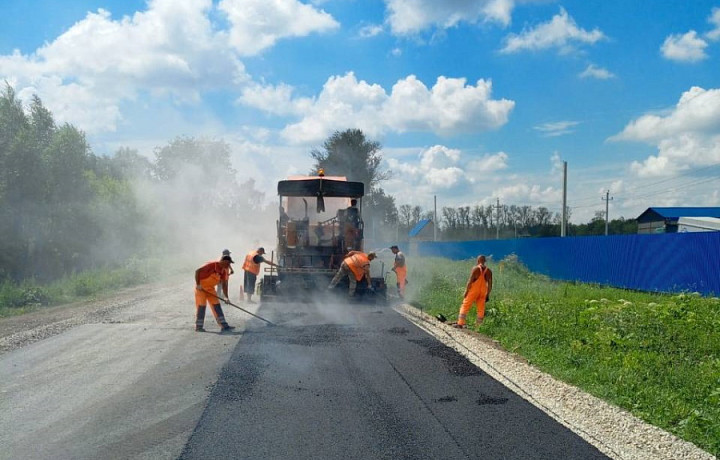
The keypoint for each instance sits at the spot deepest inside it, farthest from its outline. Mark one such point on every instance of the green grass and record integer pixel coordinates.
(655, 355)
(20, 298)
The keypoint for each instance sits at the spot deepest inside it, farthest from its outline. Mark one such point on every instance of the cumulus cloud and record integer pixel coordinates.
(258, 24)
(530, 194)
(440, 167)
(599, 73)
(714, 19)
(408, 17)
(684, 48)
(277, 100)
(451, 106)
(561, 32)
(170, 49)
(687, 136)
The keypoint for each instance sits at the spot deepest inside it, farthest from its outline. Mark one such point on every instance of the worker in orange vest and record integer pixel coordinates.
(477, 291)
(355, 266)
(206, 278)
(252, 269)
(400, 269)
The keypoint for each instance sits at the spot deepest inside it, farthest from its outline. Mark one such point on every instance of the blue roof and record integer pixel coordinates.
(676, 213)
(418, 227)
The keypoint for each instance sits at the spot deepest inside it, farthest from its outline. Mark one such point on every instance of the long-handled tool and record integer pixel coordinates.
(238, 307)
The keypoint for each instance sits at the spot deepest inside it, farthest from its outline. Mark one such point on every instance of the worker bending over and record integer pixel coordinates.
(400, 269)
(252, 269)
(355, 266)
(477, 291)
(206, 278)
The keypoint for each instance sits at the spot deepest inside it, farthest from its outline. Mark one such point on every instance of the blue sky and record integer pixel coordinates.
(471, 100)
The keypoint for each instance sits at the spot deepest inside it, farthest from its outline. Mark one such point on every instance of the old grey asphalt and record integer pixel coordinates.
(360, 381)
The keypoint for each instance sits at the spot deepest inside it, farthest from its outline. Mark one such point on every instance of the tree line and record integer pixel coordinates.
(64, 209)
(351, 154)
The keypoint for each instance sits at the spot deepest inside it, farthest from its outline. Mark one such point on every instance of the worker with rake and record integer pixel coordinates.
(477, 292)
(206, 278)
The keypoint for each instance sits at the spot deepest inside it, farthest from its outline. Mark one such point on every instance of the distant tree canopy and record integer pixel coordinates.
(64, 209)
(51, 188)
(350, 154)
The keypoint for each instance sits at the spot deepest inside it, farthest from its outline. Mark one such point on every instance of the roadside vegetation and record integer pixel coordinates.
(655, 355)
(30, 295)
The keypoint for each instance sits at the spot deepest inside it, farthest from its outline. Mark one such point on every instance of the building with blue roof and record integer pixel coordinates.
(665, 220)
(423, 230)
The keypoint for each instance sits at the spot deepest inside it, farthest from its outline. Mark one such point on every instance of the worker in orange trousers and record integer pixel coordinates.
(206, 278)
(400, 269)
(477, 292)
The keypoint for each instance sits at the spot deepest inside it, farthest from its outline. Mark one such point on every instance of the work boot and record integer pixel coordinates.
(227, 328)
(199, 329)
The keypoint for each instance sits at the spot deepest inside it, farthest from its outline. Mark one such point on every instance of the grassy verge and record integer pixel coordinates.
(655, 355)
(17, 299)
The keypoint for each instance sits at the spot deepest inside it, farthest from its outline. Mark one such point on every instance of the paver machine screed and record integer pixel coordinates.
(316, 227)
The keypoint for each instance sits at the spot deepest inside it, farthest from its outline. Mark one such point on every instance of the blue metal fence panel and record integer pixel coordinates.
(672, 262)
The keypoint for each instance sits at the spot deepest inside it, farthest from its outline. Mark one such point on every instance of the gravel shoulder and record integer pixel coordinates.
(615, 432)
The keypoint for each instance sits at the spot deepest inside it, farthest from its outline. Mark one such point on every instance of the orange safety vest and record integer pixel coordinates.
(356, 263)
(249, 265)
(211, 274)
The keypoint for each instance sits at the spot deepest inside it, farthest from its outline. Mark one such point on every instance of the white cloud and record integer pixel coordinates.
(532, 194)
(556, 162)
(371, 30)
(714, 19)
(557, 128)
(450, 106)
(687, 136)
(443, 168)
(684, 48)
(593, 71)
(258, 24)
(560, 32)
(277, 100)
(172, 49)
(408, 17)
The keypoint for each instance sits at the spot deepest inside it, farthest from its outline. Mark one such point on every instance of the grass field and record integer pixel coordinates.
(17, 299)
(655, 355)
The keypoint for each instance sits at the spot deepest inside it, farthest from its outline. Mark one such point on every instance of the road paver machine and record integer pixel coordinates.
(319, 221)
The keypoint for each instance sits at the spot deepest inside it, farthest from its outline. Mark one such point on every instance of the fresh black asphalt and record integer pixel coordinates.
(342, 381)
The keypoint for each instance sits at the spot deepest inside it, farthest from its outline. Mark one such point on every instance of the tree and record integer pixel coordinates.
(350, 154)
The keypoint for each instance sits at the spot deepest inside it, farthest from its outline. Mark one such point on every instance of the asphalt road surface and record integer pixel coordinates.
(120, 378)
(359, 381)
(128, 378)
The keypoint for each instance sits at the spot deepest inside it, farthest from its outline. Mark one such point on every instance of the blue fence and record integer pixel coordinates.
(664, 262)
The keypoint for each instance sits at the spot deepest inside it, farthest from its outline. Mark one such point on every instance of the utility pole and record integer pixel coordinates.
(497, 221)
(435, 218)
(607, 200)
(563, 225)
